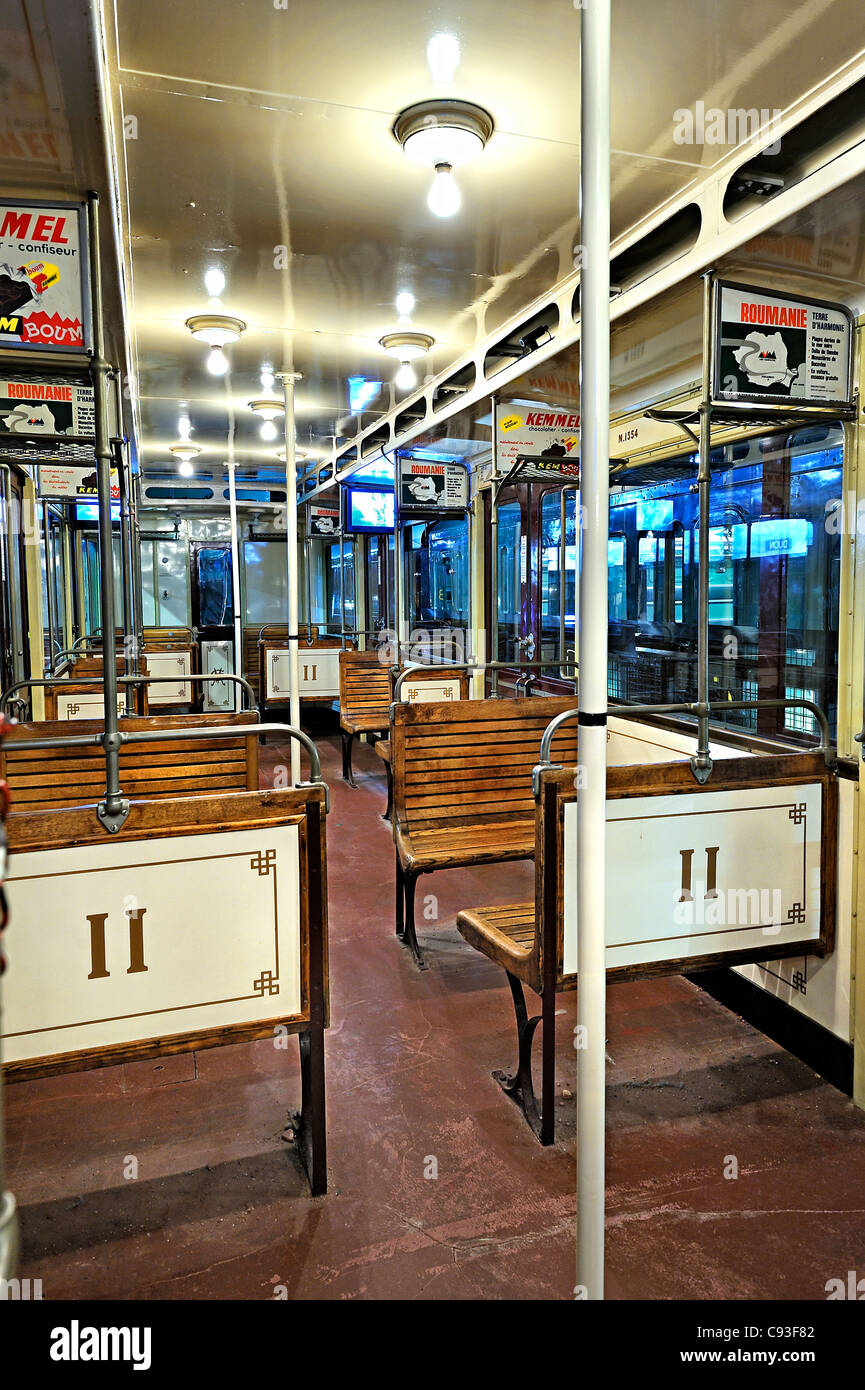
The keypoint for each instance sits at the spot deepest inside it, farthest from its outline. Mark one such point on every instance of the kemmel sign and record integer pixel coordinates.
(43, 277)
(780, 348)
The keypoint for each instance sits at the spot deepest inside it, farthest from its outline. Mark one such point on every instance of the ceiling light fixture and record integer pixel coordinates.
(406, 347)
(269, 408)
(299, 455)
(216, 330)
(442, 135)
(185, 452)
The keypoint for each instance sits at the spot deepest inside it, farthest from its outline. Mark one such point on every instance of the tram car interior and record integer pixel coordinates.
(433, 632)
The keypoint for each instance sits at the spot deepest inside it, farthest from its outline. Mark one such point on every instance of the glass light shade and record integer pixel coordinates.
(442, 144)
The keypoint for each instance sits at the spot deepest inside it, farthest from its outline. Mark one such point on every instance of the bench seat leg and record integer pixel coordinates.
(408, 936)
(310, 1124)
(389, 808)
(400, 897)
(347, 774)
(519, 1085)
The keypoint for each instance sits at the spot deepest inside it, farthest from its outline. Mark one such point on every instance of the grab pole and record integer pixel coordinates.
(288, 379)
(590, 1040)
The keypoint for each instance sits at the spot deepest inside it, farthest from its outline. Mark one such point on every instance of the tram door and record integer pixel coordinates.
(212, 592)
(537, 577)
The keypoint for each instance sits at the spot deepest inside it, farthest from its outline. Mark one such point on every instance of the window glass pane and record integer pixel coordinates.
(774, 563)
(551, 579)
(266, 582)
(511, 546)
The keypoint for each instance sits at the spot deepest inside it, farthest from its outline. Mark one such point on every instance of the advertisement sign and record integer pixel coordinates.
(432, 487)
(780, 349)
(36, 407)
(61, 481)
(323, 521)
(43, 277)
(550, 436)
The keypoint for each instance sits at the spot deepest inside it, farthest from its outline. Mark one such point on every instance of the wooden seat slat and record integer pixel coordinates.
(55, 778)
(463, 785)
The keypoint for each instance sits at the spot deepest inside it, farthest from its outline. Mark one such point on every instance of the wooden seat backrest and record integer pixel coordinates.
(467, 762)
(50, 778)
(251, 654)
(434, 675)
(166, 638)
(365, 685)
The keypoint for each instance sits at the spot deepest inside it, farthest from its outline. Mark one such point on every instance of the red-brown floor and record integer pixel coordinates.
(220, 1208)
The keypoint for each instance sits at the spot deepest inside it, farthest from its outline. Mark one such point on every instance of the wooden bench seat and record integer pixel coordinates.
(365, 694)
(463, 787)
(793, 840)
(44, 779)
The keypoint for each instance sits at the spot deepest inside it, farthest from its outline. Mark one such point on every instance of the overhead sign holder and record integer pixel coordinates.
(780, 351)
(429, 486)
(44, 281)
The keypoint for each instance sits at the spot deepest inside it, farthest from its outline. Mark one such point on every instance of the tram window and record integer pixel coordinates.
(379, 586)
(774, 566)
(92, 594)
(512, 550)
(551, 578)
(333, 578)
(215, 594)
(266, 577)
(437, 576)
(618, 583)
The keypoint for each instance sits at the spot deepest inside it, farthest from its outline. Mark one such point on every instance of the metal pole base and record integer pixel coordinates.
(702, 770)
(112, 820)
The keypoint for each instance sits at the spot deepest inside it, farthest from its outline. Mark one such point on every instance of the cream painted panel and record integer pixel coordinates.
(319, 673)
(87, 706)
(219, 934)
(767, 873)
(628, 741)
(429, 692)
(169, 664)
(820, 989)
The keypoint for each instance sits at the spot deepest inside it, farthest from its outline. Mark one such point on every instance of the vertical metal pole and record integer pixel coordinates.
(125, 568)
(49, 586)
(137, 592)
(595, 494)
(113, 810)
(307, 554)
(563, 528)
(701, 763)
(494, 554)
(397, 568)
(288, 380)
(342, 585)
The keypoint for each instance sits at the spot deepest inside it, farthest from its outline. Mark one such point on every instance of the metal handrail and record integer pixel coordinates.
(27, 745)
(697, 708)
(475, 666)
(131, 680)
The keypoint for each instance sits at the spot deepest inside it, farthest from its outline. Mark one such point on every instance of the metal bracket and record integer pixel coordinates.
(112, 820)
(702, 771)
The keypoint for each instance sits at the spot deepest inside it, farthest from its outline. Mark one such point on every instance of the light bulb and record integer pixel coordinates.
(405, 378)
(268, 430)
(404, 304)
(185, 469)
(217, 362)
(214, 282)
(444, 196)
